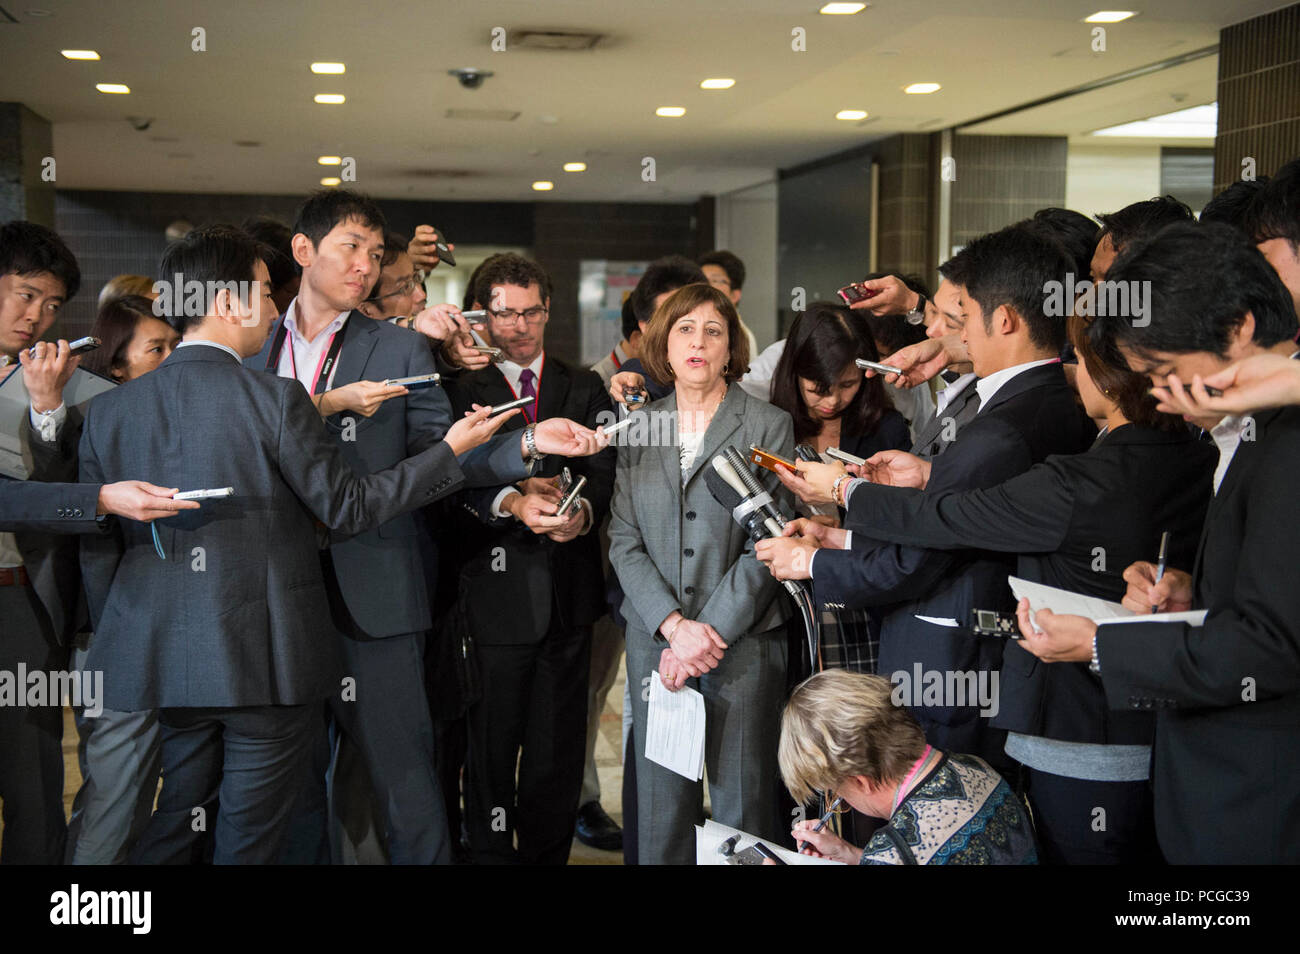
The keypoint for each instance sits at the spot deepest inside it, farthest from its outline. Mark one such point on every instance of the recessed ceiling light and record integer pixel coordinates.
(851, 114)
(112, 88)
(543, 186)
(330, 181)
(671, 111)
(1109, 16)
(1198, 122)
(718, 84)
(80, 54)
(328, 68)
(575, 167)
(922, 88)
(843, 8)
(330, 160)
(330, 98)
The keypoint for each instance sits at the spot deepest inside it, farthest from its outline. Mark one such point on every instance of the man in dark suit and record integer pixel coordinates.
(376, 579)
(215, 619)
(1226, 694)
(1025, 412)
(531, 586)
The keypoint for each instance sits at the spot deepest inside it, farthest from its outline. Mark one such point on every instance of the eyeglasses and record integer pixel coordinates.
(405, 287)
(508, 316)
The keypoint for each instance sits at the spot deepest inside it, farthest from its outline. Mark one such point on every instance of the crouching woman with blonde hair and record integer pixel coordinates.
(842, 735)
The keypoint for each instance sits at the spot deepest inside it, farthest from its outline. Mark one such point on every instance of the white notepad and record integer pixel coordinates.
(1100, 611)
(675, 729)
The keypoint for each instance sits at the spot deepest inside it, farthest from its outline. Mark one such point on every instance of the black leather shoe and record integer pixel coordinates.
(597, 829)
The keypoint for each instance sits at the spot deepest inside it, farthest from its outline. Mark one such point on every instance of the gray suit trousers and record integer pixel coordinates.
(742, 710)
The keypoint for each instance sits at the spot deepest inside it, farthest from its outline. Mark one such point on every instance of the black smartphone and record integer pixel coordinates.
(807, 452)
(510, 405)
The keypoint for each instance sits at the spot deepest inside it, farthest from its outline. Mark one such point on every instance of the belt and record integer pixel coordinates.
(14, 576)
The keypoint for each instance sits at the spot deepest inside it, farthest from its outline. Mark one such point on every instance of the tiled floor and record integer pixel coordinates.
(608, 765)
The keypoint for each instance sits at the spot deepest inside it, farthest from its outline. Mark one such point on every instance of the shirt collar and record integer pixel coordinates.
(512, 371)
(291, 321)
(989, 386)
(214, 344)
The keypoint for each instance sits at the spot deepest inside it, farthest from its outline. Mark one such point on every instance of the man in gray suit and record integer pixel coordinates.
(378, 599)
(214, 620)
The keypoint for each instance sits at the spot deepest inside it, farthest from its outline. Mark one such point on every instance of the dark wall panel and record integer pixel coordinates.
(1259, 95)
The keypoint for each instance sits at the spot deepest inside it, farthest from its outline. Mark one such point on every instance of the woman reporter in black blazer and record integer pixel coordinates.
(1076, 522)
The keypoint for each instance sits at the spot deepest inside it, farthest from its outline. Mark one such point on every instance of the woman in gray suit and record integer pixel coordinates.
(700, 609)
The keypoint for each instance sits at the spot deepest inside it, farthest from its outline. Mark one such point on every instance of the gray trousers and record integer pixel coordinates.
(120, 754)
(742, 711)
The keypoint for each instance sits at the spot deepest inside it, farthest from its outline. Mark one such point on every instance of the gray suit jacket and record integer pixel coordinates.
(380, 571)
(50, 557)
(232, 614)
(677, 548)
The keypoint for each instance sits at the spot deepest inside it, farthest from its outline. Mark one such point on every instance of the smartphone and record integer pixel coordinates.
(845, 457)
(571, 498)
(877, 366)
(417, 382)
(618, 426)
(495, 354)
(993, 623)
(478, 317)
(204, 494)
(765, 458)
(856, 292)
(80, 346)
(807, 452)
(444, 253)
(510, 405)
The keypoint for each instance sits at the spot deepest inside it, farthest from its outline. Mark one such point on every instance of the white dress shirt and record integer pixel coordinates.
(301, 358)
(989, 386)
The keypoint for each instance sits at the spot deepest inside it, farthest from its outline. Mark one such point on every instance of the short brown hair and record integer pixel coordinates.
(654, 346)
(1130, 391)
(839, 724)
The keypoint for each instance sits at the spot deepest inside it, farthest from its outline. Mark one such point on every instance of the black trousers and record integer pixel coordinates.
(31, 737)
(248, 761)
(1081, 822)
(534, 700)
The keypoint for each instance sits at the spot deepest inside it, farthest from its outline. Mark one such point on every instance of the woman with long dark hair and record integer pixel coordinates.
(818, 384)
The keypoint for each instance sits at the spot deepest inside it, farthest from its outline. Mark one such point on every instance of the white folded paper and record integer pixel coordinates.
(675, 729)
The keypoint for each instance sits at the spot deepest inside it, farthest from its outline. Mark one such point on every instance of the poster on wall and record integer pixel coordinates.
(602, 287)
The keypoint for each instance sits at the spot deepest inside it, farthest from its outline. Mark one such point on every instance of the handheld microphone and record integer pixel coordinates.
(728, 488)
(754, 488)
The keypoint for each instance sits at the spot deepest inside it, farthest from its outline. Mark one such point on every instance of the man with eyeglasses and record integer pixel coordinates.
(379, 612)
(531, 587)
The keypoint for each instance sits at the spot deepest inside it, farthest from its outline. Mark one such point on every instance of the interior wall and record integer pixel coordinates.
(1106, 177)
(746, 224)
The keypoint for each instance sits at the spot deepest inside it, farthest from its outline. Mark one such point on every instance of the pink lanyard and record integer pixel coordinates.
(898, 796)
(324, 356)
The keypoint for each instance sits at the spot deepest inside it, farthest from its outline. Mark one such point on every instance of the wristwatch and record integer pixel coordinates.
(917, 315)
(530, 443)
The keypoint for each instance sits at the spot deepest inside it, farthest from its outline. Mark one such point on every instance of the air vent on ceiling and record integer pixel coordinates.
(498, 115)
(552, 40)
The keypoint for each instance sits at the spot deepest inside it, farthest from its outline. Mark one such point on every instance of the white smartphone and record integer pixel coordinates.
(845, 456)
(877, 366)
(616, 427)
(204, 494)
(510, 405)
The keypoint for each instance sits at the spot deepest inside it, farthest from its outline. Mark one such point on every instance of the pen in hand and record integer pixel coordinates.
(1160, 561)
(803, 845)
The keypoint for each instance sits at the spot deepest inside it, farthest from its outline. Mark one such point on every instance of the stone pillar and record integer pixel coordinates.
(26, 166)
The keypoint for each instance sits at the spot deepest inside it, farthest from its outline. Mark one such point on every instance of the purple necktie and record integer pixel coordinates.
(527, 390)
